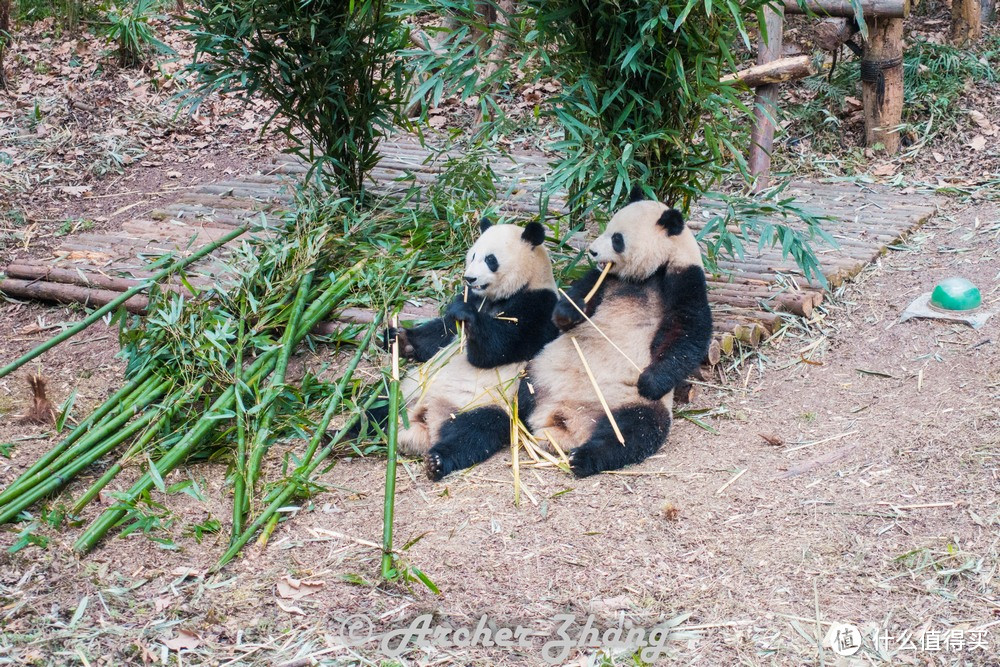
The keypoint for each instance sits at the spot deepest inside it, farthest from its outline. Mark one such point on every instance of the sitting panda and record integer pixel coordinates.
(654, 306)
(453, 401)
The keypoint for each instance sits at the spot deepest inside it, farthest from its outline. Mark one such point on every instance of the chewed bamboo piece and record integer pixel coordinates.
(600, 394)
(597, 285)
(591, 322)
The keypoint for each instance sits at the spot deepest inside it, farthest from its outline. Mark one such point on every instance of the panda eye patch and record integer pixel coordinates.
(491, 263)
(617, 242)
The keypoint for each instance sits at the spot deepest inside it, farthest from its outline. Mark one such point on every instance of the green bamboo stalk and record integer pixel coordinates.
(93, 438)
(114, 303)
(276, 385)
(172, 403)
(180, 451)
(392, 436)
(240, 480)
(280, 496)
(116, 401)
(287, 491)
(56, 481)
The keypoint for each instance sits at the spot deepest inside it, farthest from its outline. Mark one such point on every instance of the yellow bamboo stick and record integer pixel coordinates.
(591, 322)
(597, 285)
(600, 394)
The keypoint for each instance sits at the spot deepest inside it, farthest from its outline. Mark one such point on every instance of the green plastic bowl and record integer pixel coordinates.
(956, 295)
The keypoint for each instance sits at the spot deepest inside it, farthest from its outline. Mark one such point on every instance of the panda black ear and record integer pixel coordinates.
(534, 233)
(636, 194)
(672, 221)
(485, 224)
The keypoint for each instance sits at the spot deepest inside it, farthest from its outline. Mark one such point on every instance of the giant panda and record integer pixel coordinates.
(455, 400)
(654, 305)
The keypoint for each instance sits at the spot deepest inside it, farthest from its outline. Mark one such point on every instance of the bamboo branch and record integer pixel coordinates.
(101, 312)
(600, 394)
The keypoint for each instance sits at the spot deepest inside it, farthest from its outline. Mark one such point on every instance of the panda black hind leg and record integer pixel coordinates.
(470, 438)
(644, 427)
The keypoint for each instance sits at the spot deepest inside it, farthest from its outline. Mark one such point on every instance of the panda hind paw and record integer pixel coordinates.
(434, 467)
(584, 463)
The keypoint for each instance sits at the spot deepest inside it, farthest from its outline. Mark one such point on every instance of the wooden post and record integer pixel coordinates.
(4, 36)
(966, 21)
(765, 107)
(882, 82)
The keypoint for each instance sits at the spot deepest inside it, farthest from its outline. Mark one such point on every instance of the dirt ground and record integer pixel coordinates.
(877, 505)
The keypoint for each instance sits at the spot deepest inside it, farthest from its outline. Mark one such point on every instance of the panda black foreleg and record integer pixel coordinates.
(645, 429)
(470, 438)
(423, 342)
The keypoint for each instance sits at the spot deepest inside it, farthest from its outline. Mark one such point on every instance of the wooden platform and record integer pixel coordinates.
(749, 299)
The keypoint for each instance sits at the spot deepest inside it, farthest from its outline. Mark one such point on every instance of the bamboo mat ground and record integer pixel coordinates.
(749, 298)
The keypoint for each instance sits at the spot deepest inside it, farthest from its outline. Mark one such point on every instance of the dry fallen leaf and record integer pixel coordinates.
(772, 440)
(75, 190)
(978, 143)
(980, 119)
(885, 169)
(290, 608)
(938, 157)
(296, 589)
(185, 639)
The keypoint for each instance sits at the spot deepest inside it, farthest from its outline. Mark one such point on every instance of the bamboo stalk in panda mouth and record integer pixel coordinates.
(461, 325)
(600, 394)
(597, 285)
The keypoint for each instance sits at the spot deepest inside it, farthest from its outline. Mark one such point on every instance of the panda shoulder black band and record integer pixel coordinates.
(872, 71)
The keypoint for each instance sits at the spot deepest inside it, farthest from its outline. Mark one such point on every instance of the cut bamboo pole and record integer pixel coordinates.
(885, 8)
(777, 71)
(101, 312)
(600, 394)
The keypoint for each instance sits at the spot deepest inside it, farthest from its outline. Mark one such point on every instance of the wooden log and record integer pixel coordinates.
(966, 21)
(882, 82)
(714, 353)
(33, 272)
(765, 101)
(42, 290)
(778, 71)
(885, 8)
(727, 343)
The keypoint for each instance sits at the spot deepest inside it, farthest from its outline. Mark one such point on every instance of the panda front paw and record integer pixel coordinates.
(650, 387)
(391, 335)
(461, 311)
(434, 467)
(565, 316)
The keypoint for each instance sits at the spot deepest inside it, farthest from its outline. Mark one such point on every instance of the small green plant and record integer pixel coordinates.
(330, 66)
(207, 527)
(130, 30)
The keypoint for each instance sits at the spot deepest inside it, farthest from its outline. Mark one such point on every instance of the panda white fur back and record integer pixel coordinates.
(654, 306)
(456, 394)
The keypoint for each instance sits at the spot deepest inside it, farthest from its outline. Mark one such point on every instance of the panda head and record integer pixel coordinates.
(644, 236)
(506, 258)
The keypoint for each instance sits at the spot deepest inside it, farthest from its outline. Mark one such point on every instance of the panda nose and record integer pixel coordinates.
(471, 280)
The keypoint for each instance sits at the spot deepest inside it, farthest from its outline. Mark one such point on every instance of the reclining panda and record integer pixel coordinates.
(456, 400)
(654, 306)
